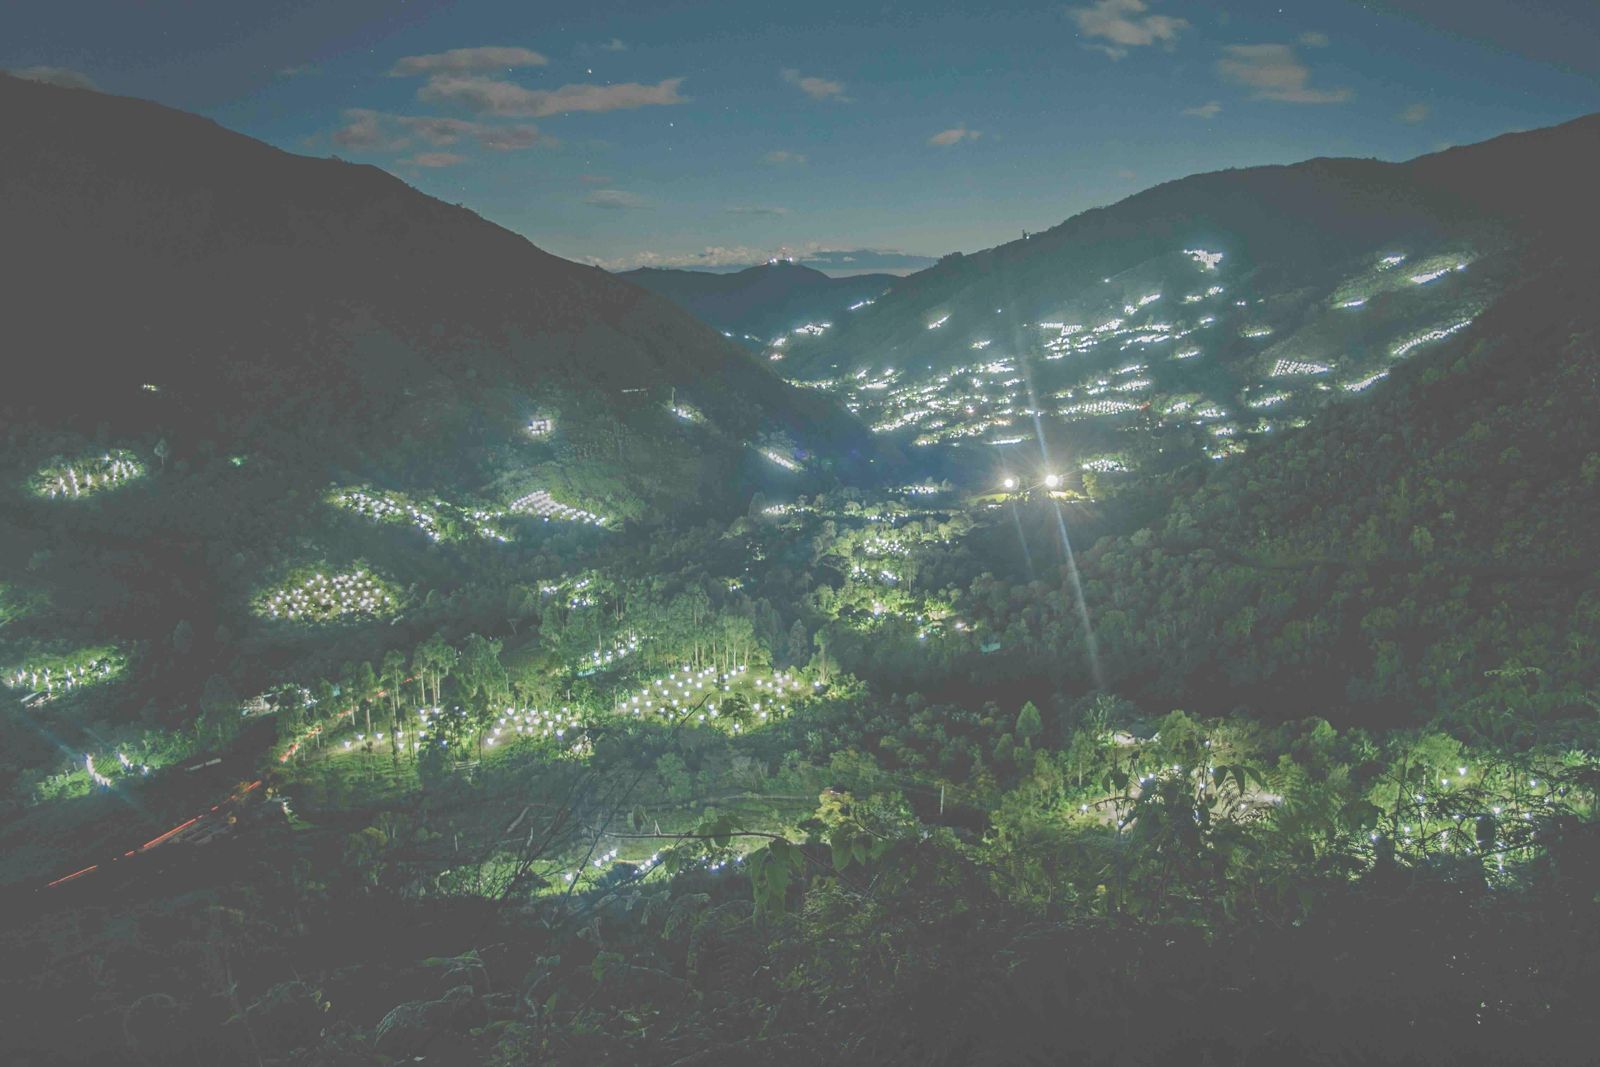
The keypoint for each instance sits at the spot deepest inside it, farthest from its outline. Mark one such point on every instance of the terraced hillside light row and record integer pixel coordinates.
(1184, 364)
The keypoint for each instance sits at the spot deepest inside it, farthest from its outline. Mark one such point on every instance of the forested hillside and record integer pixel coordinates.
(188, 283)
(1200, 317)
(386, 682)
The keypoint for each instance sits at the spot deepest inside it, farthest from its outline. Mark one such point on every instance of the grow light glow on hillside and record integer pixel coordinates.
(82, 477)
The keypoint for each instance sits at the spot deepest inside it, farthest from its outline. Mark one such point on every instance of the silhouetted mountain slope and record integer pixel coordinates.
(1208, 310)
(277, 301)
(765, 302)
(1382, 564)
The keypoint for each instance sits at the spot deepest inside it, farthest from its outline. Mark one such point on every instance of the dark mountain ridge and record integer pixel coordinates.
(1293, 220)
(764, 302)
(256, 290)
(1197, 316)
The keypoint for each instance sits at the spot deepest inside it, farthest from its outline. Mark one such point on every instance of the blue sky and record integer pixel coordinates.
(714, 134)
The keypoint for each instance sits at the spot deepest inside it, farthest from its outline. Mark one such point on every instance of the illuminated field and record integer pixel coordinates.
(321, 597)
(53, 675)
(88, 474)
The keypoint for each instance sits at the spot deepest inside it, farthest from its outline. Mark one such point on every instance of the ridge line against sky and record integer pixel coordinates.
(716, 136)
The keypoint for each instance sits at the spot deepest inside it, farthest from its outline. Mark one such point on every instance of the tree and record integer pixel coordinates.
(521, 604)
(183, 637)
(365, 683)
(432, 663)
(481, 680)
(1029, 725)
(393, 676)
(219, 711)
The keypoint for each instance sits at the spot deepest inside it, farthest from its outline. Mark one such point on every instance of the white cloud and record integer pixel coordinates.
(754, 210)
(816, 88)
(489, 97)
(435, 159)
(466, 61)
(1208, 110)
(512, 138)
(62, 76)
(615, 200)
(365, 129)
(438, 131)
(1275, 73)
(376, 131)
(954, 135)
(1125, 25)
(1415, 113)
(614, 45)
(781, 156)
(1315, 39)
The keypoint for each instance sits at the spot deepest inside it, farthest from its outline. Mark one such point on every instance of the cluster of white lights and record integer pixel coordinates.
(84, 476)
(622, 646)
(1404, 347)
(1207, 260)
(687, 413)
(94, 776)
(388, 507)
(541, 503)
(780, 459)
(1097, 407)
(1368, 382)
(516, 724)
(1434, 275)
(396, 508)
(327, 596)
(1270, 400)
(936, 323)
(1289, 368)
(1391, 261)
(1256, 331)
(65, 673)
(686, 690)
(859, 304)
(1104, 465)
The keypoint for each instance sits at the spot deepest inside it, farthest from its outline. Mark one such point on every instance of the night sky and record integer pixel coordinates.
(719, 134)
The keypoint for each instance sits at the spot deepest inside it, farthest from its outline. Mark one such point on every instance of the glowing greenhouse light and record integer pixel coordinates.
(1404, 347)
(1286, 368)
